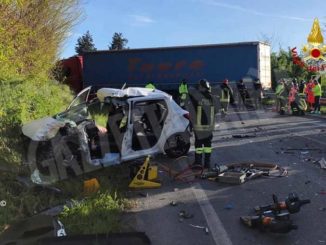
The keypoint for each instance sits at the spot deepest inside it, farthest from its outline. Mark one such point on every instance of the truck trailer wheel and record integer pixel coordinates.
(177, 145)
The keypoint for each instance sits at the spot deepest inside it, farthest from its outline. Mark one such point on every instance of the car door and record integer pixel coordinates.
(145, 126)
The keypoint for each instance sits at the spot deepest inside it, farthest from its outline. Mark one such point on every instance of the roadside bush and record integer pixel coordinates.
(97, 214)
(22, 101)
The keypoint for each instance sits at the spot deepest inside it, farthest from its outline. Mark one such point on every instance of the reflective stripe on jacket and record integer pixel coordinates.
(202, 109)
(225, 95)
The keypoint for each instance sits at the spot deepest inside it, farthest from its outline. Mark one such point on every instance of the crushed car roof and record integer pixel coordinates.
(129, 92)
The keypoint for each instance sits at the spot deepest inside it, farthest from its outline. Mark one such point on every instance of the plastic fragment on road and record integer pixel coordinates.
(185, 215)
(200, 227)
(61, 232)
(242, 136)
(173, 203)
(304, 152)
(229, 206)
(322, 163)
(91, 186)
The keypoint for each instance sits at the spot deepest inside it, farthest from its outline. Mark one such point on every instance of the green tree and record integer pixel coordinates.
(118, 42)
(283, 67)
(85, 44)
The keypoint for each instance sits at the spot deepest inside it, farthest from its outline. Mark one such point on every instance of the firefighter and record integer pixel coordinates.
(291, 98)
(317, 94)
(183, 92)
(202, 108)
(258, 90)
(310, 98)
(242, 94)
(226, 96)
(150, 85)
(280, 93)
(302, 88)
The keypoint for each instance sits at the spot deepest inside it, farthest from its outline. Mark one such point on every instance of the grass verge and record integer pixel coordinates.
(99, 213)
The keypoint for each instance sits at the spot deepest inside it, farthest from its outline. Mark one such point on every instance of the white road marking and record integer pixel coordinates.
(214, 223)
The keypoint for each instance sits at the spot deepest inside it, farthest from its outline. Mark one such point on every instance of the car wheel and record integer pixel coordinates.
(177, 145)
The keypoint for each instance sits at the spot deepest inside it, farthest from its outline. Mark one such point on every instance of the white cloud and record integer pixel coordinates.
(251, 11)
(140, 20)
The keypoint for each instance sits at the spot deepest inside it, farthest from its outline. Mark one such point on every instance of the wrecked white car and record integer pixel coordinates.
(115, 126)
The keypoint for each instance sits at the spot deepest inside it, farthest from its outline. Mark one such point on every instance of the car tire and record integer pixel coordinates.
(177, 145)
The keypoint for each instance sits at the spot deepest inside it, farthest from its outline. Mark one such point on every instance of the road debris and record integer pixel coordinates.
(242, 136)
(91, 186)
(304, 152)
(183, 214)
(238, 173)
(288, 152)
(229, 206)
(173, 204)
(323, 192)
(302, 149)
(200, 227)
(322, 163)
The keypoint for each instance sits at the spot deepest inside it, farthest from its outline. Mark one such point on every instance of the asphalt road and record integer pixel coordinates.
(218, 206)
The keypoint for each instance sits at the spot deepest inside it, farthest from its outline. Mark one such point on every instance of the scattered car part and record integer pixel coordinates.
(243, 136)
(200, 227)
(91, 186)
(322, 163)
(185, 215)
(231, 178)
(238, 173)
(173, 203)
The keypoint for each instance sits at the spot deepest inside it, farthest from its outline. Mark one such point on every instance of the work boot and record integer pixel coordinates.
(198, 159)
(207, 163)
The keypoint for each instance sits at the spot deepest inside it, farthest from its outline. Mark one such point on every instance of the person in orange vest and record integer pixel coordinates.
(310, 95)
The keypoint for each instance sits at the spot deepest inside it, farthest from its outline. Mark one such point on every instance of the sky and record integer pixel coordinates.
(163, 23)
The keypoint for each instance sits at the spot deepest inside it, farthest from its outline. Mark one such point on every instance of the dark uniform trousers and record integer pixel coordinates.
(203, 146)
